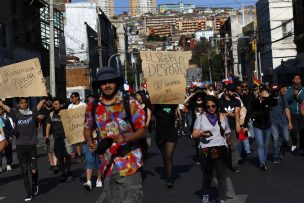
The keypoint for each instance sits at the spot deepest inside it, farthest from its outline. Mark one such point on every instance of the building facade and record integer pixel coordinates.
(24, 35)
(107, 6)
(233, 29)
(178, 8)
(298, 13)
(141, 7)
(276, 46)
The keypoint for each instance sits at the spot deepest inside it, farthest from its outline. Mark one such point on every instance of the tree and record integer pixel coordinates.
(204, 56)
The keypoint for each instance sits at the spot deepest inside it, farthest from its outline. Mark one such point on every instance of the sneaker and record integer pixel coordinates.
(69, 178)
(294, 150)
(249, 156)
(205, 199)
(236, 169)
(263, 167)
(88, 186)
(29, 197)
(35, 190)
(169, 184)
(62, 178)
(276, 161)
(8, 168)
(55, 169)
(222, 201)
(98, 183)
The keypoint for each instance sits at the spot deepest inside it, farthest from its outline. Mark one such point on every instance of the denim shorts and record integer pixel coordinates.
(90, 157)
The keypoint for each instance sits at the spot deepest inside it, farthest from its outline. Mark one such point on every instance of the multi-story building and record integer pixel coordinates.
(141, 7)
(24, 34)
(178, 7)
(107, 6)
(233, 28)
(298, 13)
(276, 46)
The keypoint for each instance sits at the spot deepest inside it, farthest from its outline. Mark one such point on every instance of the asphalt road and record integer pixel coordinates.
(281, 183)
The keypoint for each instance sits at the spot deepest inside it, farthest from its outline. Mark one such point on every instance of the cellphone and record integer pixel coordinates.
(208, 132)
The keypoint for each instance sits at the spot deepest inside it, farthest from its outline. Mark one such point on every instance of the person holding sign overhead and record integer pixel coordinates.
(121, 123)
(26, 141)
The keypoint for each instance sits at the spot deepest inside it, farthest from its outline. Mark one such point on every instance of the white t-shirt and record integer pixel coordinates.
(202, 123)
(73, 106)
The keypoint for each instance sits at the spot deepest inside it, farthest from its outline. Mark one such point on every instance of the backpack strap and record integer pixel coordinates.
(126, 105)
(93, 112)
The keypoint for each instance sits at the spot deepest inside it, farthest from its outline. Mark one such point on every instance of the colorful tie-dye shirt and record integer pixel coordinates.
(110, 120)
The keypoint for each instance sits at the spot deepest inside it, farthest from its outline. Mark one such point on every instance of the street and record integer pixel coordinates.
(281, 183)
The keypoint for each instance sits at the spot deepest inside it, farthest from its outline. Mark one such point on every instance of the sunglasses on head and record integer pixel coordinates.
(210, 106)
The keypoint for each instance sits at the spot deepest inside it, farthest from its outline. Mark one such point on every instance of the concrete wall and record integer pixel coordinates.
(77, 76)
(273, 54)
(75, 30)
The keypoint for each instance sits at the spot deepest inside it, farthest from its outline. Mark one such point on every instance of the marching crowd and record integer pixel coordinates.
(225, 124)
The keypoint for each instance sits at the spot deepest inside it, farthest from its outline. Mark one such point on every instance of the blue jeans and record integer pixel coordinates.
(90, 157)
(246, 146)
(277, 129)
(262, 137)
(250, 128)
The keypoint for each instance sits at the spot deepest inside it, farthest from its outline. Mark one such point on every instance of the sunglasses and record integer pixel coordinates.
(210, 106)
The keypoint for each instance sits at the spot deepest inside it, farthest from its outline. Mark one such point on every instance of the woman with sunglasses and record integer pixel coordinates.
(212, 129)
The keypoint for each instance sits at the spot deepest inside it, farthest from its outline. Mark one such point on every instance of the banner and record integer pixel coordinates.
(73, 124)
(165, 72)
(24, 79)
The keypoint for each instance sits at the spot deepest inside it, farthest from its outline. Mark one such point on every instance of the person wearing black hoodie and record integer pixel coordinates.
(262, 124)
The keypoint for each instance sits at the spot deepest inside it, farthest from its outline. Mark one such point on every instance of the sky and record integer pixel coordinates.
(122, 5)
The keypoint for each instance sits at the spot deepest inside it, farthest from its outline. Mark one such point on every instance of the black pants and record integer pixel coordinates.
(297, 123)
(27, 156)
(8, 152)
(208, 167)
(64, 159)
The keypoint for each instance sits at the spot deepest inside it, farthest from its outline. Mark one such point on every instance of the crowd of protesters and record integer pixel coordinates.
(225, 123)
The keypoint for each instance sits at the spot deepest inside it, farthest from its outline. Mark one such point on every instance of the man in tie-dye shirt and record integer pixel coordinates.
(123, 181)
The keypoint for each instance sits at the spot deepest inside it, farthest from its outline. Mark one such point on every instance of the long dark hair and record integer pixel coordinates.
(144, 99)
(217, 112)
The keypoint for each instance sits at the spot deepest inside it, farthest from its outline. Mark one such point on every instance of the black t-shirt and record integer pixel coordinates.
(165, 119)
(56, 125)
(45, 112)
(227, 106)
(26, 126)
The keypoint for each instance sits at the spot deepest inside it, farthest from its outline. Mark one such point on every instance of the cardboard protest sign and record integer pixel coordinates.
(24, 79)
(165, 72)
(73, 124)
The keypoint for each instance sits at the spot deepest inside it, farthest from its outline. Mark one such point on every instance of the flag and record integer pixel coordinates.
(256, 81)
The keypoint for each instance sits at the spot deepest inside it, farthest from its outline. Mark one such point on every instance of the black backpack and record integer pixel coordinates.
(8, 128)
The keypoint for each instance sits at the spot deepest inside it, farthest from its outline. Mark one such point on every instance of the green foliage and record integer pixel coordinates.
(203, 56)
(157, 38)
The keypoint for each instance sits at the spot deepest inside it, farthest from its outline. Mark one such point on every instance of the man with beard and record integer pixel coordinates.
(54, 123)
(295, 97)
(26, 141)
(230, 107)
(121, 123)
(43, 115)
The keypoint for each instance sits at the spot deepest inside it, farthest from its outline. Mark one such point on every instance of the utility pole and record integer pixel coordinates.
(52, 51)
(210, 75)
(134, 67)
(99, 38)
(226, 68)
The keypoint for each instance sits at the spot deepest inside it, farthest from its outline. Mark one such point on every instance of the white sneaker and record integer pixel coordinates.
(8, 168)
(88, 185)
(98, 183)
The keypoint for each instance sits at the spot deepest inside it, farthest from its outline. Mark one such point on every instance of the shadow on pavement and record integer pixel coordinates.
(9, 179)
(177, 170)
